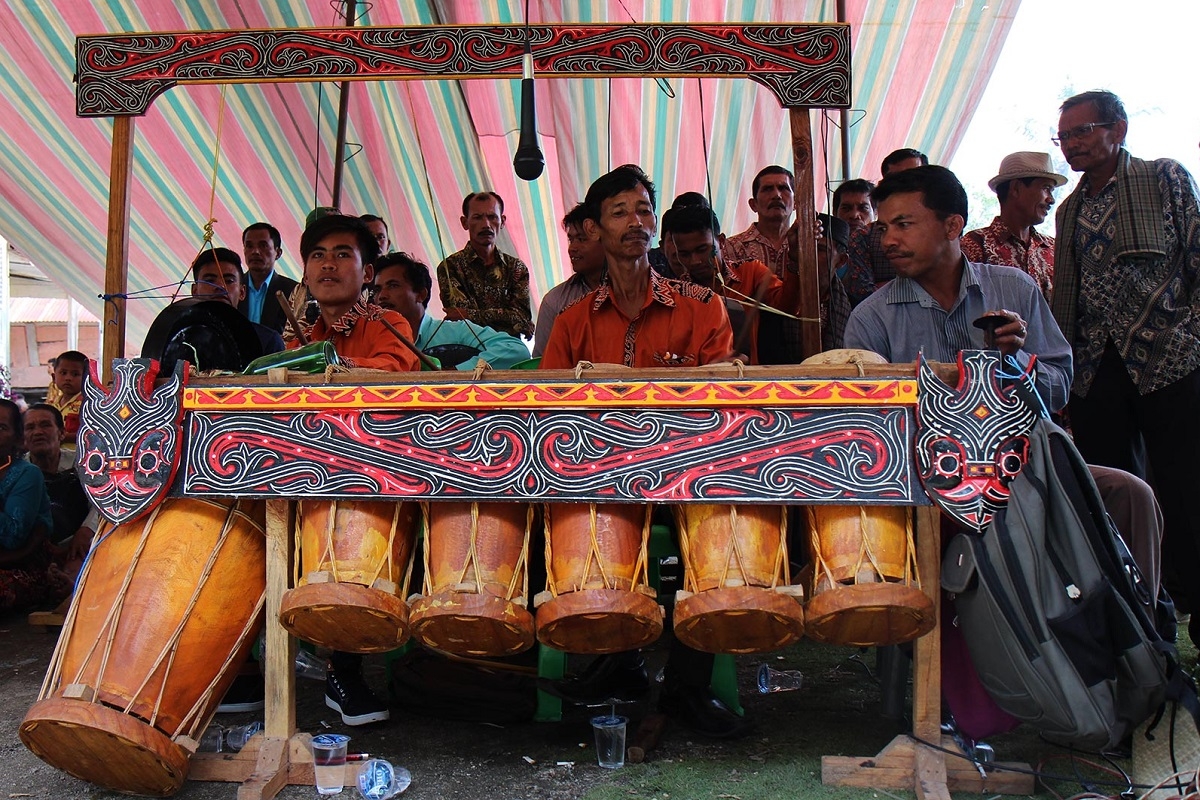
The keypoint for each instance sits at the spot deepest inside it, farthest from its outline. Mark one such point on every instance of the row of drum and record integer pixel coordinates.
(168, 608)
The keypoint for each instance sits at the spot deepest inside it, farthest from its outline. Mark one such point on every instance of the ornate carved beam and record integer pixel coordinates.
(804, 65)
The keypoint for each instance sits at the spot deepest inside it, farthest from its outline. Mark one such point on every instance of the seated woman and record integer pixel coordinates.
(75, 519)
(25, 523)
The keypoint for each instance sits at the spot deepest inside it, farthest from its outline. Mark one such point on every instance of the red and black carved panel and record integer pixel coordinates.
(972, 440)
(803, 65)
(830, 455)
(129, 438)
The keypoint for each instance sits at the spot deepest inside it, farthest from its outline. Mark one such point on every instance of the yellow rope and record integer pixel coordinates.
(212, 191)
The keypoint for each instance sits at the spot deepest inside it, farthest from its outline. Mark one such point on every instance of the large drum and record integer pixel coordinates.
(353, 567)
(865, 586)
(165, 613)
(476, 579)
(737, 592)
(597, 598)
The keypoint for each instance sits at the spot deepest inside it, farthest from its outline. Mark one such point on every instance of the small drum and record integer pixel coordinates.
(738, 596)
(353, 567)
(598, 598)
(865, 586)
(165, 612)
(476, 579)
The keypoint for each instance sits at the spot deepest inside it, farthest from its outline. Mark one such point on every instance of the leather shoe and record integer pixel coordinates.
(697, 708)
(618, 676)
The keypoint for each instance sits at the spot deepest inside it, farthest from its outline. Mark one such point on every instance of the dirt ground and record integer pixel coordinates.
(550, 761)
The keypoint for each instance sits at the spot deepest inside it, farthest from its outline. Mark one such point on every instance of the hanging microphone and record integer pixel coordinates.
(528, 162)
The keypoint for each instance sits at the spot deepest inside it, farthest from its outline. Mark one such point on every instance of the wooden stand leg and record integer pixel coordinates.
(44, 621)
(904, 763)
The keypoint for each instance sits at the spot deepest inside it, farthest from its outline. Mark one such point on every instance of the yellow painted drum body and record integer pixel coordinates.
(865, 586)
(597, 598)
(166, 611)
(737, 595)
(354, 564)
(473, 602)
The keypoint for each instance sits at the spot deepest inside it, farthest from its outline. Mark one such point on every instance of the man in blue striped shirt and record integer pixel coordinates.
(937, 294)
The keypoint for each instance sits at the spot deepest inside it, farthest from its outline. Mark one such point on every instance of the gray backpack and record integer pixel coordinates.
(1046, 599)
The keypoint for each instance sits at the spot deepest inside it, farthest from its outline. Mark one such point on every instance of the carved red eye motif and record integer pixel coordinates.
(947, 458)
(1010, 457)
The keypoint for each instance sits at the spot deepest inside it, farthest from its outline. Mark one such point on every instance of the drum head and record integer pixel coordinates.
(209, 334)
(451, 355)
(101, 745)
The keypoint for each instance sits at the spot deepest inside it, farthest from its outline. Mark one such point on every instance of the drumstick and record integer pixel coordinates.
(426, 360)
(291, 316)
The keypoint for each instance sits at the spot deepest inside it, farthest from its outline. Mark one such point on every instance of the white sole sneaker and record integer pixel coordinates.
(382, 715)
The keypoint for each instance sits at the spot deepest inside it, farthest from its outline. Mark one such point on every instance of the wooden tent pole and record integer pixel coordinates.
(805, 194)
(116, 263)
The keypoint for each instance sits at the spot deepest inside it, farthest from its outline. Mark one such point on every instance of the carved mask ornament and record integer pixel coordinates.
(972, 440)
(129, 438)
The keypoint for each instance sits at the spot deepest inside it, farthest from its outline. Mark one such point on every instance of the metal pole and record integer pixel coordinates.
(844, 113)
(5, 294)
(339, 148)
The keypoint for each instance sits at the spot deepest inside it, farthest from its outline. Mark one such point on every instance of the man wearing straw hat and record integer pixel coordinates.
(1025, 188)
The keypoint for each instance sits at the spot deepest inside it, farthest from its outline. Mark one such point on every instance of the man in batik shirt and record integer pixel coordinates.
(479, 282)
(772, 199)
(1025, 187)
(1126, 293)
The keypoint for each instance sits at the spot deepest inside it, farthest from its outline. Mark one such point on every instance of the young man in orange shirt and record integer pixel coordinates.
(338, 252)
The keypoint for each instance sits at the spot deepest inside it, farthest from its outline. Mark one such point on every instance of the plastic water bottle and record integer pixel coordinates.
(236, 737)
(309, 666)
(213, 739)
(379, 780)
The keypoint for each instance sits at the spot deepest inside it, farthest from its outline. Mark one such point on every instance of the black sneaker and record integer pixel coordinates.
(246, 694)
(350, 696)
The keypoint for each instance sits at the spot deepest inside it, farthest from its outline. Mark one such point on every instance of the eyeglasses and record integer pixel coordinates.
(1080, 130)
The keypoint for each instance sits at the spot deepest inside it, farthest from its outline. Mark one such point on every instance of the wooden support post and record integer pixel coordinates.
(280, 656)
(116, 263)
(806, 210)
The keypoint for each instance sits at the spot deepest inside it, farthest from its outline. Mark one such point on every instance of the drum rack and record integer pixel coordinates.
(805, 65)
(772, 420)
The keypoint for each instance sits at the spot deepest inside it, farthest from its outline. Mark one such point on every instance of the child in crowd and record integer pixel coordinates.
(66, 391)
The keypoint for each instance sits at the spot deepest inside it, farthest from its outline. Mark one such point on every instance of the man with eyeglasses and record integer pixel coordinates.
(1127, 297)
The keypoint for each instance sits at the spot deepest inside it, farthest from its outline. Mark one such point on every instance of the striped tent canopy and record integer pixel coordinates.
(919, 69)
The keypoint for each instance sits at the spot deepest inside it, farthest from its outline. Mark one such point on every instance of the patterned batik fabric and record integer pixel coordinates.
(750, 245)
(1145, 306)
(996, 244)
(34, 583)
(867, 267)
(495, 295)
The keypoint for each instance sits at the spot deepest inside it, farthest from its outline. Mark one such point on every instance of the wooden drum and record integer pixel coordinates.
(476, 579)
(353, 567)
(865, 586)
(165, 613)
(737, 595)
(598, 598)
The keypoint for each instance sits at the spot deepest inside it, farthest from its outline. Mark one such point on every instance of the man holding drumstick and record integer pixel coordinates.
(640, 319)
(338, 252)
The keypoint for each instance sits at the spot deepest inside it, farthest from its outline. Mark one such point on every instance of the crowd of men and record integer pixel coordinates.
(1109, 307)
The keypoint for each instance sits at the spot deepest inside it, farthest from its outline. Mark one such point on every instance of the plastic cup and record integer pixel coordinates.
(610, 740)
(329, 761)
(778, 680)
